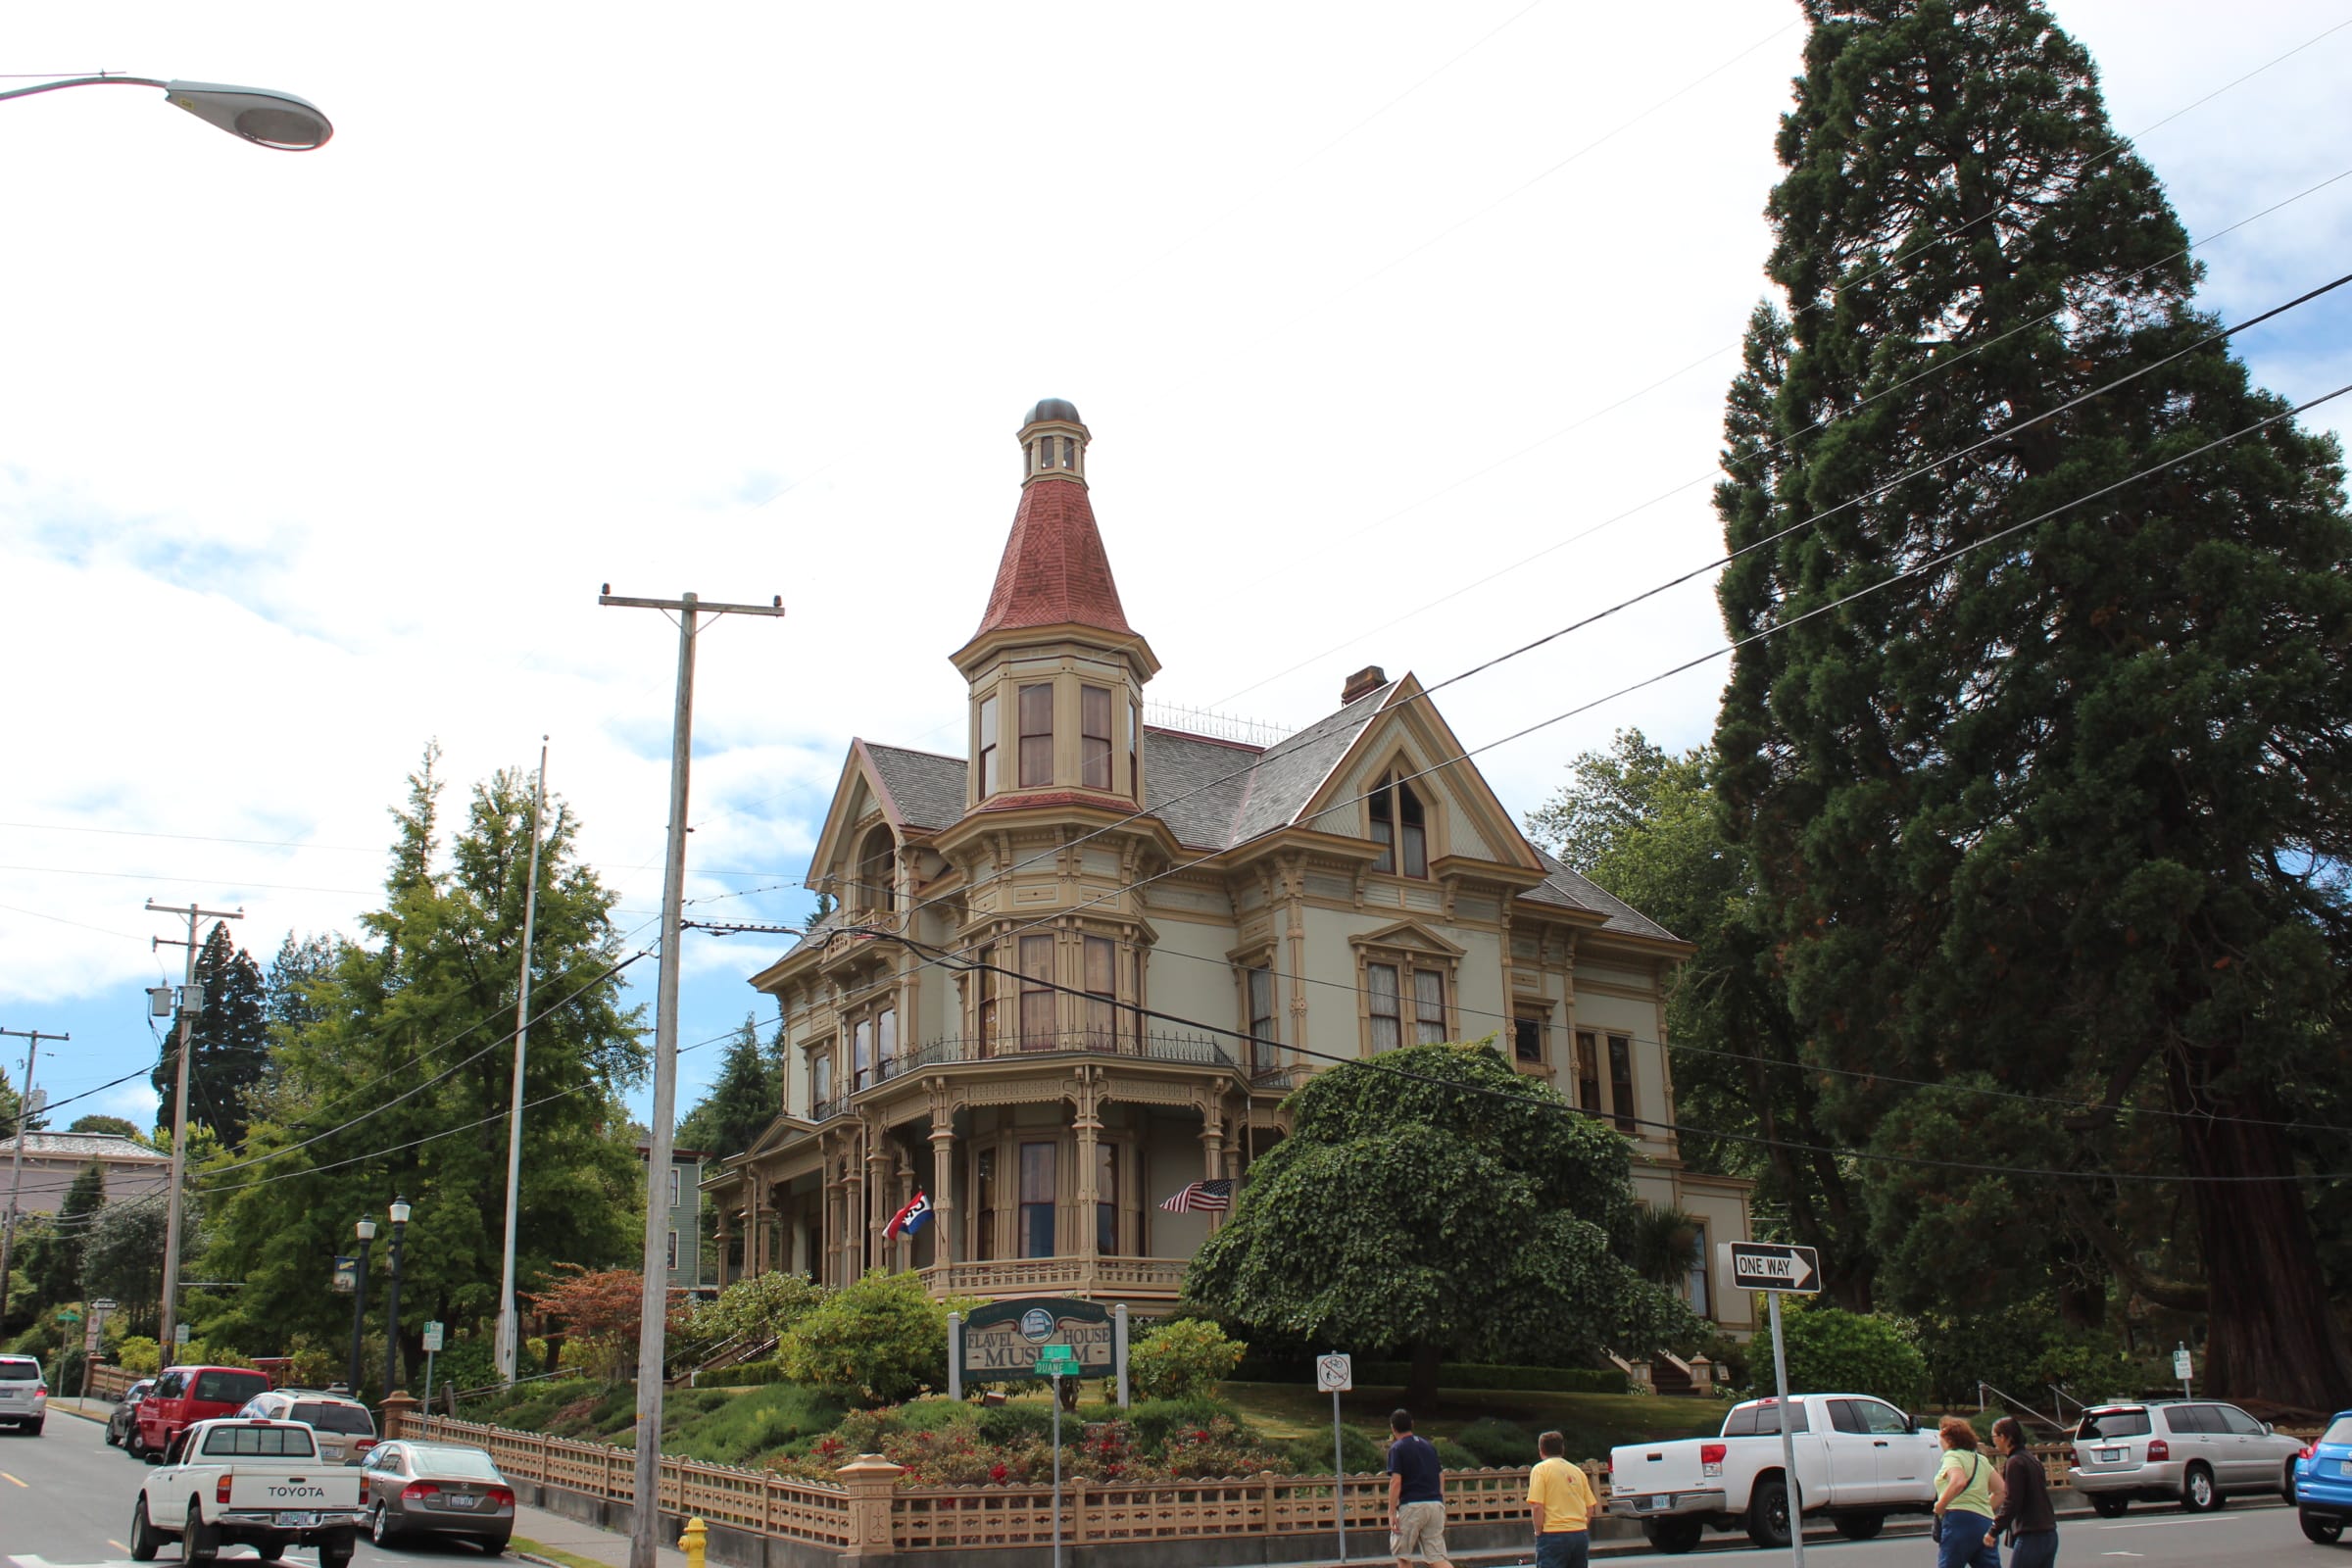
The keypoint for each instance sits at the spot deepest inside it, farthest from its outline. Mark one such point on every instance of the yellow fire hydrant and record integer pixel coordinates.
(694, 1540)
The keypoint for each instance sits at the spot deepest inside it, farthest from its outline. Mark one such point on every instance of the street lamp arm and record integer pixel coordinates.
(263, 115)
(84, 81)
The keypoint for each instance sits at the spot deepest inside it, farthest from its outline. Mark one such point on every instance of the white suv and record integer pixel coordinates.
(24, 1393)
(344, 1428)
(2191, 1451)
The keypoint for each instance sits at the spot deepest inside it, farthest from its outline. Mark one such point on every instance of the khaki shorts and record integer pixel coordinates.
(1420, 1533)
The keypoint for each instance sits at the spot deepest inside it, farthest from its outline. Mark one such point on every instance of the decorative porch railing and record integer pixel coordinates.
(1026, 1276)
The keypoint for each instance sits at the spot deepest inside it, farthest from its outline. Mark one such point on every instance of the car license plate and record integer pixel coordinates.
(460, 1501)
(2344, 1466)
(297, 1521)
(1651, 1505)
(2109, 1455)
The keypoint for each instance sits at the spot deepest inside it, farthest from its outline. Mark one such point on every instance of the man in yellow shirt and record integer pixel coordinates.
(1564, 1507)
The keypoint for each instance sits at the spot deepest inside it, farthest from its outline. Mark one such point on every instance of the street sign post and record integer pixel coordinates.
(1777, 1269)
(1057, 1361)
(2184, 1367)
(1336, 1375)
(179, 1333)
(433, 1343)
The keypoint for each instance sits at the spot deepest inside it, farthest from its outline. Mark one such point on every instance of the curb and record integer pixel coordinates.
(533, 1557)
(84, 1414)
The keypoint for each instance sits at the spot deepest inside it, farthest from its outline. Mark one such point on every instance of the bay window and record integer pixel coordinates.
(1036, 736)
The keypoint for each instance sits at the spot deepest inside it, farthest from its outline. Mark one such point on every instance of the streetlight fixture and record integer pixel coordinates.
(364, 1230)
(400, 1226)
(262, 116)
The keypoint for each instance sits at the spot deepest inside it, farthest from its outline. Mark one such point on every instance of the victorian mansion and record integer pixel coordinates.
(1080, 879)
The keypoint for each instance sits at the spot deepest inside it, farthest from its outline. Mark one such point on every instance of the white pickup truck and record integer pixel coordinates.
(240, 1481)
(1858, 1459)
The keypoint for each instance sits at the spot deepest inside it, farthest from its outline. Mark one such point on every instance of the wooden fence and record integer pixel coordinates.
(867, 1511)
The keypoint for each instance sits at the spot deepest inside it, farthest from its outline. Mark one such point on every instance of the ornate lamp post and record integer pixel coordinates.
(364, 1230)
(400, 1225)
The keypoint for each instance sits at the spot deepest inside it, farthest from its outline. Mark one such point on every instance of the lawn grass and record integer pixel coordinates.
(1592, 1423)
(569, 1560)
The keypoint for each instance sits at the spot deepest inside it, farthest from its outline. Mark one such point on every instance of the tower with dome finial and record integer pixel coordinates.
(1054, 674)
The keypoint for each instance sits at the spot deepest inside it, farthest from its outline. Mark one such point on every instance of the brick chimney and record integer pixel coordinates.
(1363, 682)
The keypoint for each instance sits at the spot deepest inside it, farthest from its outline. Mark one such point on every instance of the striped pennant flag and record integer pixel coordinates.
(1205, 1197)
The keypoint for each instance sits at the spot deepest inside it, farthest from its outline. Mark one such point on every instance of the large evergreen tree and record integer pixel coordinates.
(2067, 816)
(745, 1096)
(413, 1031)
(228, 1041)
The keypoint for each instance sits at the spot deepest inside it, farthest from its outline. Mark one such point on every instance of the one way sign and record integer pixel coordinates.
(1771, 1266)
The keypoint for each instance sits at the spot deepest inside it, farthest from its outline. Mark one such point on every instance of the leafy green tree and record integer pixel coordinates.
(228, 1041)
(58, 1280)
(1435, 1200)
(396, 1082)
(2072, 811)
(122, 1257)
(745, 1096)
(117, 1125)
(1643, 822)
(1183, 1359)
(1831, 1351)
(874, 1342)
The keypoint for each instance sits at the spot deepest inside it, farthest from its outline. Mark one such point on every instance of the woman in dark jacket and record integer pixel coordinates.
(2025, 1508)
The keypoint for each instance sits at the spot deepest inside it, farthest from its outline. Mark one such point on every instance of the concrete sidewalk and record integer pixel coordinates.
(553, 1529)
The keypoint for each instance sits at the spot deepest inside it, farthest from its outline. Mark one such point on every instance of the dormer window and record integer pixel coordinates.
(1398, 823)
(876, 872)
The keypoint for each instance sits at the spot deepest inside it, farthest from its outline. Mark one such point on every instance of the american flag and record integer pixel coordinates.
(1208, 1198)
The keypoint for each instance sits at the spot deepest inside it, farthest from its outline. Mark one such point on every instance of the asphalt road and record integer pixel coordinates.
(65, 1498)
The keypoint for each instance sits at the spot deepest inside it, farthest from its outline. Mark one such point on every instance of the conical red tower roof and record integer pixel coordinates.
(1055, 572)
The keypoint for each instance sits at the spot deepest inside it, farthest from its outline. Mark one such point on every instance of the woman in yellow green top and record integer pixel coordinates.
(1562, 1502)
(1968, 1492)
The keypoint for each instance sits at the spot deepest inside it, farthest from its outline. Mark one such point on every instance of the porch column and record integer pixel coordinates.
(943, 1189)
(853, 1216)
(721, 1208)
(1088, 1123)
(1212, 1153)
(878, 1188)
(751, 1223)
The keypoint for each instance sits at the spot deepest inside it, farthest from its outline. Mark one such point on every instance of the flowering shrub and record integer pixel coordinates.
(952, 1450)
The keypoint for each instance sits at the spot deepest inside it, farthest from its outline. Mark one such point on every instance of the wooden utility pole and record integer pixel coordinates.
(645, 1541)
(26, 1110)
(179, 1107)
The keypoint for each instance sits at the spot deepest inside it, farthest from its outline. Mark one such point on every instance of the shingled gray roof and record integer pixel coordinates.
(926, 787)
(1577, 891)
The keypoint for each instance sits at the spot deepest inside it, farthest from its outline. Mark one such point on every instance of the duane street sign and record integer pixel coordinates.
(1771, 1266)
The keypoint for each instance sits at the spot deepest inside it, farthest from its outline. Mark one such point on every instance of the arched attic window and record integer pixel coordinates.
(877, 886)
(1399, 822)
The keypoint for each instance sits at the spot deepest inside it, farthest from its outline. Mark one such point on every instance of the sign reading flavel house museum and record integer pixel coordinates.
(999, 1341)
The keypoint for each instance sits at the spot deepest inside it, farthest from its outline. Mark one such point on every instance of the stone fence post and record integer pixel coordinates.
(396, 1417)
(871, 1479)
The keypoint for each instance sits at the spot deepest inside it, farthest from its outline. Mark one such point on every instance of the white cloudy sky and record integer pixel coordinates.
(1377, 312)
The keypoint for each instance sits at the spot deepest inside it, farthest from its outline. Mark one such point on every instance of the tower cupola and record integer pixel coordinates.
(1056, 673)
(1053, 442)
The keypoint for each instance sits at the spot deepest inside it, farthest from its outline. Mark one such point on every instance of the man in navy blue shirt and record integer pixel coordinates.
(1416, 1495)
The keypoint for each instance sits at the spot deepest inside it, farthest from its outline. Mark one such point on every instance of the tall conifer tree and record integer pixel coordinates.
(228, 1041)
(2066, 814)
